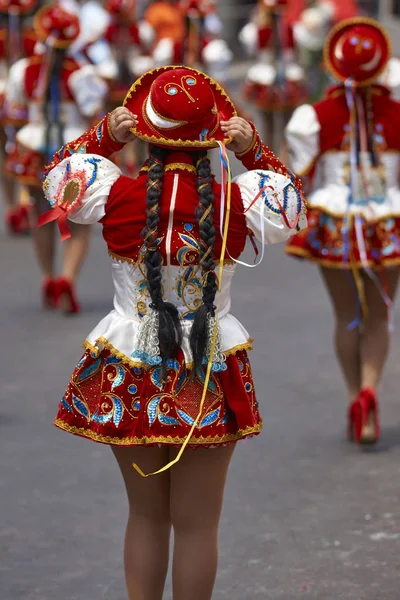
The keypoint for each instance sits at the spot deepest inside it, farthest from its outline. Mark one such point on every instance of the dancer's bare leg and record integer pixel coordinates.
(149, 525)
(375, 338)
(7, 181)
(347, 342)
(75, 251)
(197, 489)
(43, 237)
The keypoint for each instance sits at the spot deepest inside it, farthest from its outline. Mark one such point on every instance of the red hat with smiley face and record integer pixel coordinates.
(357, 49)
(179, 106)
(56, 26)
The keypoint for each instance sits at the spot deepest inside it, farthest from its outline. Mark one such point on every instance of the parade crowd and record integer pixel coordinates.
(108, 111)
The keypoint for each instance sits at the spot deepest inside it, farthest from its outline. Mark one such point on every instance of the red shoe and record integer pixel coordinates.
(25, 218)
(49, 293)
(65, 296)
(364, 418)
(18, 219)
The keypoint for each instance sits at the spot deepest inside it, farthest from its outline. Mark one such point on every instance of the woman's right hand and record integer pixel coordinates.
(121, 123)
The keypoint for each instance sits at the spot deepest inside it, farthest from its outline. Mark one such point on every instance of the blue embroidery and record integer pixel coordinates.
(119, 378)
(80, 407)
(263, 180)
(210, 418)
(90, 370)
(94, 162)
(146, 358)
(65, 404)
(99, 134)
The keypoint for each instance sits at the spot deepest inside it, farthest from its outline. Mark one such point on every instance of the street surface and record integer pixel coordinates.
(307, 515)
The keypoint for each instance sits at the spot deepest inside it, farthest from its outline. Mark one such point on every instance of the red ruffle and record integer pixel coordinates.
(324, 242)
(109, 401)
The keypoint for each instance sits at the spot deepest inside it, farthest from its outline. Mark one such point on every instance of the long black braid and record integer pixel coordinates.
(51, 98)
(170, 329)
(204, 215)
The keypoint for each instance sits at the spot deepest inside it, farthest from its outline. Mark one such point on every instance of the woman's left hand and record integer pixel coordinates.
(241, 132)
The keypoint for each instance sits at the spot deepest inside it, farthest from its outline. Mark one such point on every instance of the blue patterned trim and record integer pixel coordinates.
(146, 358)
(94, 162)
(285, 197)
(263, 180)
(216, 366)
(99, 131)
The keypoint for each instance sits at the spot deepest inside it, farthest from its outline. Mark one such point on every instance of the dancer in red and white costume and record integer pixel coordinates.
(189, 32)
(17, 40)
(348, 148)
(131, 41)
(276, 81)
(311, 21)
(168, 367)
(60, 98)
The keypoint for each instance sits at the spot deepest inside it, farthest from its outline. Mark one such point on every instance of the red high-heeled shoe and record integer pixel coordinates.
(363, 419)
(66, 297)
(49, 293)
(24, 212)
(18, 219)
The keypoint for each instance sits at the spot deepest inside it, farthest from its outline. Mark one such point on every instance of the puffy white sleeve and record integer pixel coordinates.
(302, 136)
(274, 208)
(88, 89)
(80, 186)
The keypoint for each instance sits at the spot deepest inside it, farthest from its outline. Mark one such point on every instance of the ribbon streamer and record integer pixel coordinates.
(59, 214)
(225, 173)
(355, 107)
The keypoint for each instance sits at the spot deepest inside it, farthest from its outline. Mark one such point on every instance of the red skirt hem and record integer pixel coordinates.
(112, 402)
(324, 243)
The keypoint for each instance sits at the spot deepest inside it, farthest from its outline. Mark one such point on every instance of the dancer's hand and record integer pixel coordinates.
(241, 132)
(121, 122)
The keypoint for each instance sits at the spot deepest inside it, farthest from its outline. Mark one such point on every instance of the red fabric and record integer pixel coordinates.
(111, 402)
(259, 156)
(25, 165)
(124, 219)
(323, 242)
(33, 72)
(358, 49)
(185, 97)
(121, 9)
(276, 97)
(119, 33)
(18, 6)
(386, 114)
(56, 21)
(96, 140)
(28, 38)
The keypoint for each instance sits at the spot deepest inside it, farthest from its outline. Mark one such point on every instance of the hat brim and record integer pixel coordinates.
(333, 37)
(136, 98)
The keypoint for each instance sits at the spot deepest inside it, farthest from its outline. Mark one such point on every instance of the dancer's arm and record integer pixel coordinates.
(105, 138)
(251, 151)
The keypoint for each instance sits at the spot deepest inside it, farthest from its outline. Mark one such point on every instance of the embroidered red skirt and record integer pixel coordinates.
(112, 402)
(326, 242)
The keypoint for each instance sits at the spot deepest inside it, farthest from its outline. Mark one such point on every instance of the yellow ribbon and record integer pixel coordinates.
(213, 343)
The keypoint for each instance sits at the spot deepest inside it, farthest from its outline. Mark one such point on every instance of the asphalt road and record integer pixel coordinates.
(306, 514)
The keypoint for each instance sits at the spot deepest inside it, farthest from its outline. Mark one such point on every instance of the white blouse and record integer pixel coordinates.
(119, 329)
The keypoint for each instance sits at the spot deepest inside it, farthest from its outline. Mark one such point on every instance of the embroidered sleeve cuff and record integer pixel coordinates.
(259, 156)
(98, 140)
